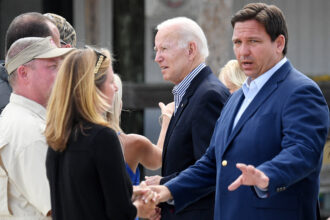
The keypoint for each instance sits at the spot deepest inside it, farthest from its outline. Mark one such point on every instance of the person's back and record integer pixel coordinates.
(77, 197)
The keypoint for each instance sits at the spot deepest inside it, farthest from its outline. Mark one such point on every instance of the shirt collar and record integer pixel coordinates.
(28, 104)
(260, 81)
(183, 85)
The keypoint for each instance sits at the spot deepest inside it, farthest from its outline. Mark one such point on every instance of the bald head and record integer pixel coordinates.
(31, 24)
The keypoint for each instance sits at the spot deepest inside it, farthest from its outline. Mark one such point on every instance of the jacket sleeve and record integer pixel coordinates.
(305, 120)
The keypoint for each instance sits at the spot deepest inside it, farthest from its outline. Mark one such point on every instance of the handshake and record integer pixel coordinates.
(146, 197)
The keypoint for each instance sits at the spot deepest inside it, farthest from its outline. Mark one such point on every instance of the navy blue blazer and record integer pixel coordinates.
(190, 130)
(282, 133)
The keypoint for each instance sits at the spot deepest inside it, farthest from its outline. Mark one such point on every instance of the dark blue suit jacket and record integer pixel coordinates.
(282, 133)
(189, 135)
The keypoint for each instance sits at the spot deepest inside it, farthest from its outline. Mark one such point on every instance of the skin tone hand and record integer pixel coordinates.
(153, 180)
(143, 193)
(157, 215)
(145, 201)
(163, 192)
(250, 176)
(145, 210)
(167, 109)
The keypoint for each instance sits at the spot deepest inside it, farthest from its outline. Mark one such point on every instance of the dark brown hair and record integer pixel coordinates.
(270, 16)
(31, 24)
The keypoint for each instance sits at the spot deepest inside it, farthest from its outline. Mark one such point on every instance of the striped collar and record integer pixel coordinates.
(180, 90)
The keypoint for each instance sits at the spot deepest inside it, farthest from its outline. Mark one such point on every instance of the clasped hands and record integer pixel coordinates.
(250, 176)
(145, 201)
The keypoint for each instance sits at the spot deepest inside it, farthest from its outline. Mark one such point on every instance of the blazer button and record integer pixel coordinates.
(224, 163)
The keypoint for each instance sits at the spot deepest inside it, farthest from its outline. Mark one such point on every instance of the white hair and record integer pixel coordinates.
(189, 31)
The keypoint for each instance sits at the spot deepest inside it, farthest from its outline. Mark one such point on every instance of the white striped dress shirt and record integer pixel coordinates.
(180, 90)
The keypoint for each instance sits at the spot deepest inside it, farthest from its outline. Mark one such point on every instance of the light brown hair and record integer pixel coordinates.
(76, 96)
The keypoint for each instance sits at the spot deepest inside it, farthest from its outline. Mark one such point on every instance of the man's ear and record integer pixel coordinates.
(22, 73)
(280, 43)
(192, 49)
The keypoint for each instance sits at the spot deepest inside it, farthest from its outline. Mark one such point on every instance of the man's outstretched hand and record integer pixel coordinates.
(250, 176)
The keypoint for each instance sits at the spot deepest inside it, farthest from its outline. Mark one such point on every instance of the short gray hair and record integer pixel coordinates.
(189, 31)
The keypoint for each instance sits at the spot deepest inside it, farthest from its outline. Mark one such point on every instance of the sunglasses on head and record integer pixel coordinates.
(100, 57)
(63, 43)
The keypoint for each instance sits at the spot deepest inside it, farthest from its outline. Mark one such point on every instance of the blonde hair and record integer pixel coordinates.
(76, 96)
(114, 115)
(232, 73)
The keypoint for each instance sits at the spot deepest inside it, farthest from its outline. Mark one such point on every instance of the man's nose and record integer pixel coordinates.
(244, 49)
(158, 57)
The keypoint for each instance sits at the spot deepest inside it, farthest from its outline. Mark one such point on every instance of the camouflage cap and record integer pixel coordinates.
(67, 32)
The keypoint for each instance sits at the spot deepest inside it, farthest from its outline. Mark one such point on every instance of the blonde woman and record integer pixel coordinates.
(232, 76)
(137, 148)
(85, 165)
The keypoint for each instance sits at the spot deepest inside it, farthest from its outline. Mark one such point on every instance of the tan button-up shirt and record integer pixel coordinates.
(23, 152)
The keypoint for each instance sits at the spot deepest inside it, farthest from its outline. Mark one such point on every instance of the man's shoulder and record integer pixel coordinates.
(19, 118)
(296, 79)
(22, 131)
(212, 85)
(209, 81)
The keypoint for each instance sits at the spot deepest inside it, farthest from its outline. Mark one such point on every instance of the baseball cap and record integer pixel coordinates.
(67, 33)
(42, 48)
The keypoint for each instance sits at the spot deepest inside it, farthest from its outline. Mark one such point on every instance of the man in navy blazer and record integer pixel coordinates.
(273, 130)
(181, 50)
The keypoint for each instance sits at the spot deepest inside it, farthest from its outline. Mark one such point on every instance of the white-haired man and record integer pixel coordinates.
(32, 64)
(181, 51)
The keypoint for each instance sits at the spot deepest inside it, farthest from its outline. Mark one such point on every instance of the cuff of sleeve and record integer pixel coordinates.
(261, 193)
(171, 202)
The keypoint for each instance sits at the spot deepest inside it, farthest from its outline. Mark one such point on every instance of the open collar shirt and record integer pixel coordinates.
(252, 87)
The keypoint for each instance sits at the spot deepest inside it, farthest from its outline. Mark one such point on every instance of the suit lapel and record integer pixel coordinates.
(205, 72)
(260, 98)
(236, 102)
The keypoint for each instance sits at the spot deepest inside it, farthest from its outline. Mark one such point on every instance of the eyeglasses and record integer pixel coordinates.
(99, 60)
(62, 43)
